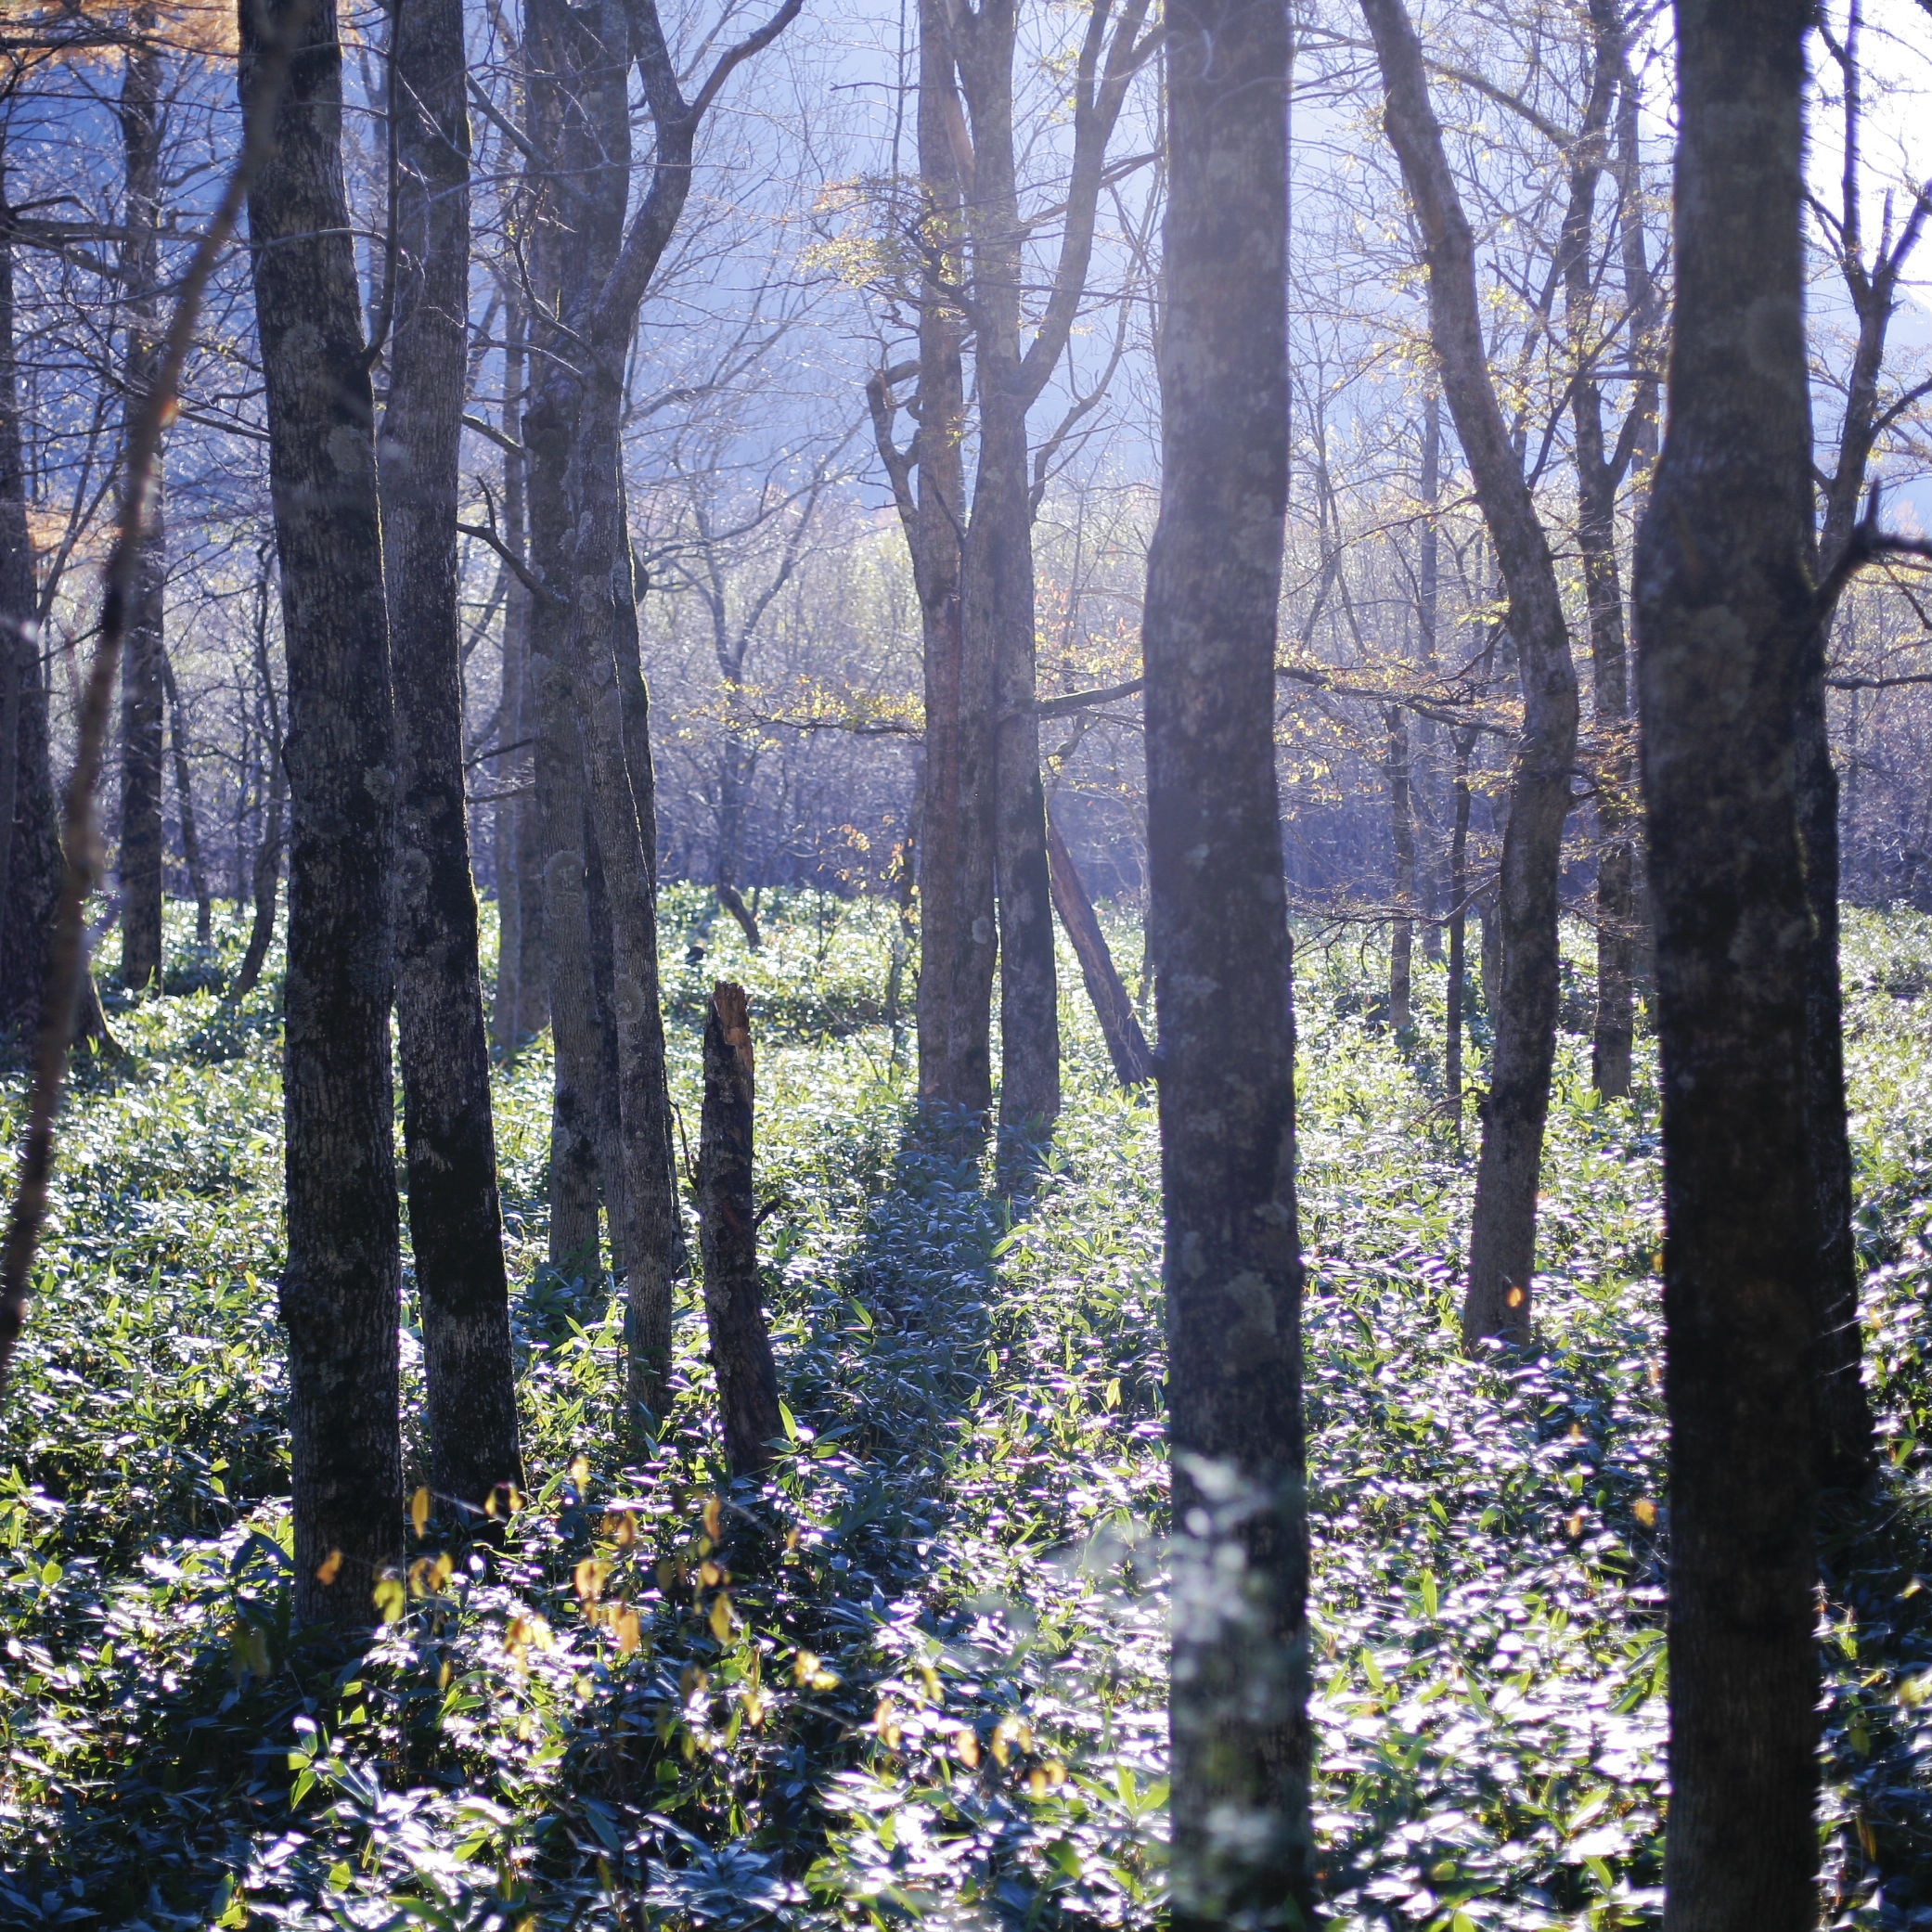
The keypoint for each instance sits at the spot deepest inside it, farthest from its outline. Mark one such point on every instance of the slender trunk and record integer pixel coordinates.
(740, 1344)
(185, 796)
(1401, 809)
(1726, 618)
(1428, 590)
(514, 1000)
(1239, 1732)
(1458, 927)
(341, 1284)
(455, 1222)
(30, 837)
(142, 847)
(1126, 1045)
(956, 901)
(996, 588)
(1503, 1230)
(268, 879)
(610, 1113)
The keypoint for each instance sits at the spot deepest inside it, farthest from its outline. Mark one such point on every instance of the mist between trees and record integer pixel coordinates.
(647, 488)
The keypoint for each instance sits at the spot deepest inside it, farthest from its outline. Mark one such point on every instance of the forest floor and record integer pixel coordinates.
(920, 1675)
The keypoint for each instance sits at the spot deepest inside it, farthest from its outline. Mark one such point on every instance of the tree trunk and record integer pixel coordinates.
(1502, 1232)
(1458, 929)
(956, 902)
(1239, 1732)
(184, 798)
(142, 847)
(268, 880)
(1401, 811)
(741, 1345)
(31, 865)
(1126, 1045)
(1726, 616)
(342, 1285)
(456, 1221)
(517, 997)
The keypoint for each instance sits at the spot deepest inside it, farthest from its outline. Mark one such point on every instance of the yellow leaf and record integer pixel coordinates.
(591, 1578)
(966, 1743)
(580, 1470)
(886, 1724)
(1573, 1523)
(390, 1597)
(1037, 1783)
(929, 1678)
(1646, 1512)
(1515, 1297)
(330, 1568)
(713, 1519)
(443, 1569)
(621, 1526)
(710, 1576)
(443, 1676)
(419, 1577)
(626, 1631)
(419, 1511)
(805, 1666)
(721, 1616)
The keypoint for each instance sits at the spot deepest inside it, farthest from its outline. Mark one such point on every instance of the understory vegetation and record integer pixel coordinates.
(920, 1673)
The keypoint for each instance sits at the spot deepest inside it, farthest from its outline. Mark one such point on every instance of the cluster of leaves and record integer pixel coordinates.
(918, 1672)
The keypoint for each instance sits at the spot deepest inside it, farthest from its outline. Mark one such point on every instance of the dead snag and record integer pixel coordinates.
(1126, 1045)
(741, 1345)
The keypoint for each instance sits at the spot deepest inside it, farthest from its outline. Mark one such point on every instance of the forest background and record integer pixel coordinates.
(779, 539)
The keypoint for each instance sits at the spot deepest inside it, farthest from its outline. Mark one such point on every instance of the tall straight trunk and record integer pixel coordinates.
(1120, 1024)
(957, 945)
(1458, 927)
(1502, 1232)
(997, 586)
(31, 865)
(519, 1009)
(1599, 474)
(185, 801)
(142, 847)
(456, 1221)
(740, 1344)
(1239, 1736)
(266, 877)
(341, 1284)
(1726, 619)
(1401, 813)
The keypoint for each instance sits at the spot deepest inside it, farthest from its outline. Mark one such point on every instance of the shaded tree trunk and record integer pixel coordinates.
(341, 1284)
(1401, 811)
(956, 899)
(1458, 927)
(1126, 1045)
(455, 1218)
(740, 1344)
(30, 864)
(1503, 1230)
(517, 1010)
(1727, 617)
(185, 798)
(142, 847)
(1239, 1732)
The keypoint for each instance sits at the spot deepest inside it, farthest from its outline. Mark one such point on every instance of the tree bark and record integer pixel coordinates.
(1726, 620)
(1126, 1045)
(266, 882)
(30, 864)
(142, 847)
(1401, 811)
(1458, 928)
(455, 1219)
(185, 800)
(1239, 1734)
(1502, 1232)
(956, 900)
(517, 1011)
(342, 1285)
(740, 1344)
